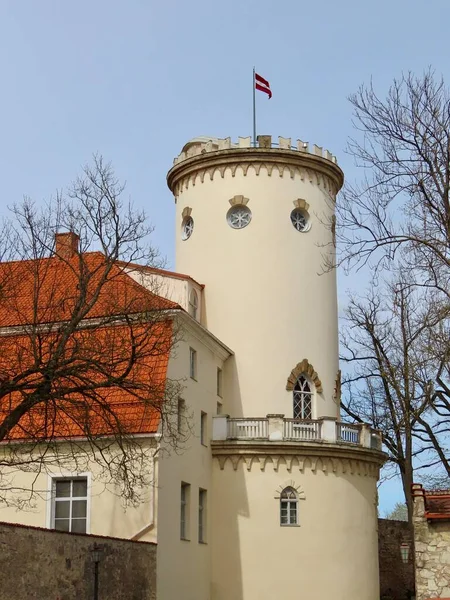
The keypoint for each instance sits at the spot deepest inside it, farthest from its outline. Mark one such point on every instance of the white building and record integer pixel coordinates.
(272, 496)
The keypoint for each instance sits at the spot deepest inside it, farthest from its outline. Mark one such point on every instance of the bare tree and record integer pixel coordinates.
(83, 347)
(397, 220)
(402, 201)
(389, 377)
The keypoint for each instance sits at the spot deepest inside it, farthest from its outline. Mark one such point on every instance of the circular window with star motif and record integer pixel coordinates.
(239, 216)
(300, 220)
(187, 227)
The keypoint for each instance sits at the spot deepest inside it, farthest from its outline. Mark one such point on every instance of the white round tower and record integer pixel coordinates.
(293, 502)
(254, 225)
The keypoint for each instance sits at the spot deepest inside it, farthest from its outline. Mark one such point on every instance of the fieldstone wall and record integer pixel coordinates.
(396, 577)
(432, 546)
(49, 565)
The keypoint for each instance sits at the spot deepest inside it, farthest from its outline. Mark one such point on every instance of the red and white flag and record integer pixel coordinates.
(262, 85)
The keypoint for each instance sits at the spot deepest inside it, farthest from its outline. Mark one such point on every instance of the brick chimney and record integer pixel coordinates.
(66, 244)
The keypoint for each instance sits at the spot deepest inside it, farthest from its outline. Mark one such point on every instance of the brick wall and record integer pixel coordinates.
(49, 565)
(396, 577)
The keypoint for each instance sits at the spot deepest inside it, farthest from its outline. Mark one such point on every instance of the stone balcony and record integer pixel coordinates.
(277, 428)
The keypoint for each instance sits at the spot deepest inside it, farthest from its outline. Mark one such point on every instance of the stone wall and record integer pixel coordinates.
(49, 565)
(432, 546)
(396, 577)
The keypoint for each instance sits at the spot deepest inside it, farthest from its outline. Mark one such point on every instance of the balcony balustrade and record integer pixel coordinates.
(247, 429)
(277, 428)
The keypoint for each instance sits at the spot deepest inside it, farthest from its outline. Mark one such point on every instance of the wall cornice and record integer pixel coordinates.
(315, 169)
(324, 457)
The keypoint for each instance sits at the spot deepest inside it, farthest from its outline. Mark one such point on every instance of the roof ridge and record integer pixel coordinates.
(162, 271)
(22, 261)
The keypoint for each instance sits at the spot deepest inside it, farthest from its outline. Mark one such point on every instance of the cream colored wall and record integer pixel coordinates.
(332, 554)
(106, 513)
(184, 567)
(173, 288)
(263, 295)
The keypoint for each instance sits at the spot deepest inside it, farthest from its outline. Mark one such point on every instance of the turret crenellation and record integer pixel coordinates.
(203, 145)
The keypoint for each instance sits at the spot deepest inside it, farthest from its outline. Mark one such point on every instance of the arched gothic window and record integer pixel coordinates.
(302, 399)
(288, 507)
(193, 304)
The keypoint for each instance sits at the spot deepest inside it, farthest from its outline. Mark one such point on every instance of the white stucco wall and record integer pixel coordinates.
(264, 295)
(333, 553)
(176, 289)
(107, 514)
(184, 567)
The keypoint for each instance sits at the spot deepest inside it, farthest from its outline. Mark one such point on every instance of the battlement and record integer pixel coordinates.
(203, 145)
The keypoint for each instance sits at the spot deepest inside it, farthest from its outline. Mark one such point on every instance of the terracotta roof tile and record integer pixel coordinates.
(437, 502)
(45, 291)
(134, 408)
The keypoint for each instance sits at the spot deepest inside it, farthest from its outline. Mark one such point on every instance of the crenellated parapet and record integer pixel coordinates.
(205, 157)
(202, 145)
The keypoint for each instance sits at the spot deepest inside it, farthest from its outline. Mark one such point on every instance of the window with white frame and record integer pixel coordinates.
(180, 414)
(193, 363)
(203, 427)
(69, 504)
(219, 382)
(302, 399)
(187, 227)
(193, 304)
(202, 516)
(239, 216)
(288, 507)
(184, 511)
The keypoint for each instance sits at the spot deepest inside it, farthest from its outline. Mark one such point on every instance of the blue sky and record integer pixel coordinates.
(135, 80)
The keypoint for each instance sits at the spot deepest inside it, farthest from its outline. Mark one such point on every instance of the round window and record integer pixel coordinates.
(300, 220)
(239, 216)
(187, 228)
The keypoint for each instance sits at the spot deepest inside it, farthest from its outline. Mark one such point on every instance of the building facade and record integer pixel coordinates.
(293, 490)
(431, 520)
(270, 494)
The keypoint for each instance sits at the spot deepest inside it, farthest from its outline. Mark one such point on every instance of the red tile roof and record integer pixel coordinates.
(46, 291)
(437, 502)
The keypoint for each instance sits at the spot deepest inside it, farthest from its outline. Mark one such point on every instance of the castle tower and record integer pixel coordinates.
(261, 220)
(294, 491)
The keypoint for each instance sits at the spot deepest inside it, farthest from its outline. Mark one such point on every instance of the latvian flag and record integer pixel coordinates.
(262, 85)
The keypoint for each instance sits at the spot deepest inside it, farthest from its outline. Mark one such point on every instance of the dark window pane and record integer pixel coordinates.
(79, 525)
(62, 489)
(80, 488)
(62, 510)
(62, 524)
(79, 508)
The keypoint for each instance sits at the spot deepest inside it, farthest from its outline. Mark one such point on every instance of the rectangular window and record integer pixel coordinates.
(288, 507)
(193, 363)
(219, 382)
(202, 516)
(203, 427)
(180, 414)
(219, 408)
(184, 511)
(69, 505)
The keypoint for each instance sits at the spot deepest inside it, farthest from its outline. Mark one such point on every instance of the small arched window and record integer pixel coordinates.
(193, 304)
(288, 507)
(302, 399)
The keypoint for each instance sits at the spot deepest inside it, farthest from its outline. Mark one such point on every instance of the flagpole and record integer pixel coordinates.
(254, 110)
